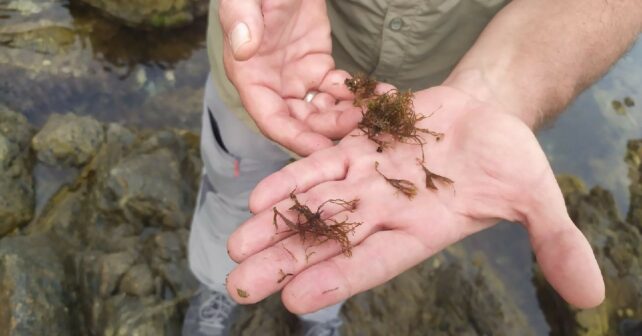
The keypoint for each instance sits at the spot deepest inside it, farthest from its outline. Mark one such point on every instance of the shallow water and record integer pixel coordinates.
(155, 80)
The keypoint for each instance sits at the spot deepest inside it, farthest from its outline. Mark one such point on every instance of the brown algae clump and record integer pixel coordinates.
(391, 113)
(310, 224)
(362, 87)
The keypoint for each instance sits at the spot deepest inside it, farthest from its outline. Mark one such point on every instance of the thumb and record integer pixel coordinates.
(242, 23)
(562, 251)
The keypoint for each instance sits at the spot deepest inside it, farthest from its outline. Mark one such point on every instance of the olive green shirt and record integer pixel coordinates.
(412, 44)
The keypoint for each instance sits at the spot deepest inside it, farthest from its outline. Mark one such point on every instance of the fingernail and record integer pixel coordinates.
(240, 36)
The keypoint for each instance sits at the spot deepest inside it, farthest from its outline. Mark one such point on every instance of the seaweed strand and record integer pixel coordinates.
(404, 186)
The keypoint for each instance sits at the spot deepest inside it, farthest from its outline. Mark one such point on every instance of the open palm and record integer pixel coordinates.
(277, 51)
(499, 172)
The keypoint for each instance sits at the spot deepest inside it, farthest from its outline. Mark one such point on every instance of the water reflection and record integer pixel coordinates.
(589, 140)
(59, 57)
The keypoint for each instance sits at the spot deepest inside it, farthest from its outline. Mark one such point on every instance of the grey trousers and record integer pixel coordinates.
(235, 159)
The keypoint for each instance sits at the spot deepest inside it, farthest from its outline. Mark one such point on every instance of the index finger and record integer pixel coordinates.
(272, 116)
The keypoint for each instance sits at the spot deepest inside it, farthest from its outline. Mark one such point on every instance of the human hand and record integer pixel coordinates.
(276, 52)
(499, 172)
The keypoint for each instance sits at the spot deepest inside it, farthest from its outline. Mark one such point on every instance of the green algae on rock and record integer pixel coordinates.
(34, 290)
(16, 183)
(618, 246)
(152, 14)
(122, 246)
(68, 140)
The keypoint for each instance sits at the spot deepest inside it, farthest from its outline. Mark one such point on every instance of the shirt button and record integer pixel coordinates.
(395, 24)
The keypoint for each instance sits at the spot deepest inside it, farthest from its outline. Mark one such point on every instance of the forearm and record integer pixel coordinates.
(537, 55)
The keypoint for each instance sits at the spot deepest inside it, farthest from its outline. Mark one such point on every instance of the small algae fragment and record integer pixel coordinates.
(283, 275)
(242, 293)
(618, 107)
(404, 186)
(329, 290)
(432, 177)
(629, 102)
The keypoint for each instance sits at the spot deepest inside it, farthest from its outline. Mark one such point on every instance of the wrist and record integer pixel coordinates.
(495, 88)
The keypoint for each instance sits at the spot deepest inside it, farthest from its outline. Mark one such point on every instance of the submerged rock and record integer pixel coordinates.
(634, 161)
(124, 315)
(16, 182)
(618, 246)
(156, 14)
(68, 140)
(449, 294)
(34, 291)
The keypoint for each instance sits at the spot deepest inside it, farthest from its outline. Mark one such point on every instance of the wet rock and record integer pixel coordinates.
(33, 288)
(121, 224)
(168, 246)
(103, 272)
(68, 140)
(157, 14)
(181, 283)
(138, 281)
(268, 318)
(125, 315)
(617, 245)
(16, 182)
(148, 189)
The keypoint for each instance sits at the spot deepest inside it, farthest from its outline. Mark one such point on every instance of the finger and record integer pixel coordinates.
(267, 271)
(376, 260)
(334, 84)
(330, 164)
(242, 23)
(273, 118)
(305, 74)
(324, 116)
(562, 251)
(383, 88)
(265, 229)
(334, 123)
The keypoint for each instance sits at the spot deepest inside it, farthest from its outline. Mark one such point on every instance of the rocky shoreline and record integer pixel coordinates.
(97, 193)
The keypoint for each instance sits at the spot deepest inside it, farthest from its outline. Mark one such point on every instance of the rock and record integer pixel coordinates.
(16, 182)
(125, 315)
(122, 227)
(182, 283)
(155, 14)
(68, 140)
(34, 290)
(168, 246)
(103, 272)
(138, 281)
(6, 151)
(617, 245)
(147, 189)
